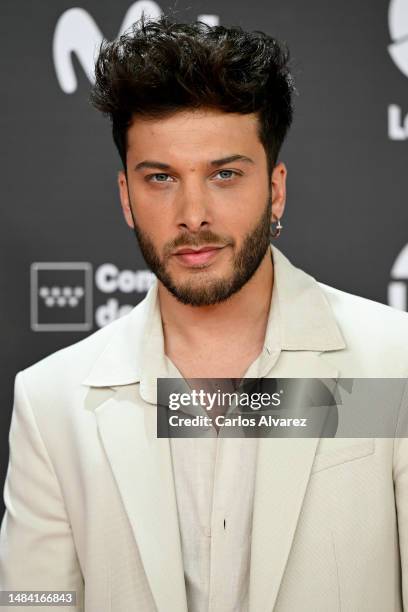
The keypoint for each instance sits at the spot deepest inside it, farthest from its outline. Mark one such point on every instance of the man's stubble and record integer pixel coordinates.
(201, 291)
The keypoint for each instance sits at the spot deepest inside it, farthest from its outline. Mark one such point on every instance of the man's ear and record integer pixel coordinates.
(278, 185)
(124, 198)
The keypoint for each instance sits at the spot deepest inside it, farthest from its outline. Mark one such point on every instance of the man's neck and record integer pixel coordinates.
(240, 320)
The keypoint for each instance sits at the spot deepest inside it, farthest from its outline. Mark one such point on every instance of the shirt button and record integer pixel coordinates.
(207, 531)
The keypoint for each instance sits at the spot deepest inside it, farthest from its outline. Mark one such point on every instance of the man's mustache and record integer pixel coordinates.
(196, 241)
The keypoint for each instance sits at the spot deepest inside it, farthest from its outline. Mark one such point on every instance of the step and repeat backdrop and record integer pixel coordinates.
(70, 265)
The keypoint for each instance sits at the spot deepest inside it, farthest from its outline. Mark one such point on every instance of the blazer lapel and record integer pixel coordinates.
(123, 398)
(307, 330)
(283, 471)
(141, 464)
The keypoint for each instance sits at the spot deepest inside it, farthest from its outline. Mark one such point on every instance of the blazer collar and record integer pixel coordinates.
(307, 320)
(136, 347)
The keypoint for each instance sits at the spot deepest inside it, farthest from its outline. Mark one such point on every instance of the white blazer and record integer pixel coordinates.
(89, 493)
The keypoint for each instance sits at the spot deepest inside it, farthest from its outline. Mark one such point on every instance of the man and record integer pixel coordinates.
(96, 502)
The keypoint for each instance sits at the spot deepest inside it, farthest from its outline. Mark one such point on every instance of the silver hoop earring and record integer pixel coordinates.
(276, 232)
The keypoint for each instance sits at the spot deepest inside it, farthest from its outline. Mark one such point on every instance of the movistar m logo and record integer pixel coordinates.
(398, 50)
(77, 33)
(398, 287)
(398, 25)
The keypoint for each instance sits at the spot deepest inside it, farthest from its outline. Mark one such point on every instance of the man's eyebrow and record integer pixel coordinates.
(231, 158)
(148, 163)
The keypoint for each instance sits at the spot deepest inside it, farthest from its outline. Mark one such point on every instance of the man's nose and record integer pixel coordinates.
(193, 206)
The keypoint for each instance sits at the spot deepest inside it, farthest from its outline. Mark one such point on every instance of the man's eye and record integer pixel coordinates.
(227, 174)
(159, 177)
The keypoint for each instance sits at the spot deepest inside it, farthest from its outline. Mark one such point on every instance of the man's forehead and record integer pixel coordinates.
(194, 115)
(195, 125)
(207, 135)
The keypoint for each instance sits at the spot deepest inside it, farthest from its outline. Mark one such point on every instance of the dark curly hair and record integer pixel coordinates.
(158, 67)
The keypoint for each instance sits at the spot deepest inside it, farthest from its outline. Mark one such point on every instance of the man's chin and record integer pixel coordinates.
(198, 292)
(197, 299)
(195, 276)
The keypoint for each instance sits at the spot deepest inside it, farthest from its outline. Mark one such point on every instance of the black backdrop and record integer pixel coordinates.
(69, 262)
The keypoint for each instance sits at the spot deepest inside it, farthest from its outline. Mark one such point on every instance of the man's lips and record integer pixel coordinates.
(200, 250)
(191, 257)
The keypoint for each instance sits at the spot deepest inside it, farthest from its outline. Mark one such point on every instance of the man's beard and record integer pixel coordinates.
(201, 292)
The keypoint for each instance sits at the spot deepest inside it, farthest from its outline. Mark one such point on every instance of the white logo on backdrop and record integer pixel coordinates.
(398, 50)
(398, 287)
(77, 33)
(62, 294)
(398, 26)
(109, 279)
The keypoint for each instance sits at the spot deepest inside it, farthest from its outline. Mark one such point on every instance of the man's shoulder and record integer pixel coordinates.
(73, 362)
(353, 309)
(354, 315)
(374, 333)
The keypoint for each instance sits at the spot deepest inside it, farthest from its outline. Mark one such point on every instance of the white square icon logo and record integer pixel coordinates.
(61, 296)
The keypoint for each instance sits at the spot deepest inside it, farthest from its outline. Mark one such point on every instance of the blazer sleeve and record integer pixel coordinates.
(401, 491)
(37, 549)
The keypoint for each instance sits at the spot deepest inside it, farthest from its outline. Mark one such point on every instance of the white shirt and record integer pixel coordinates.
(215, 481)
